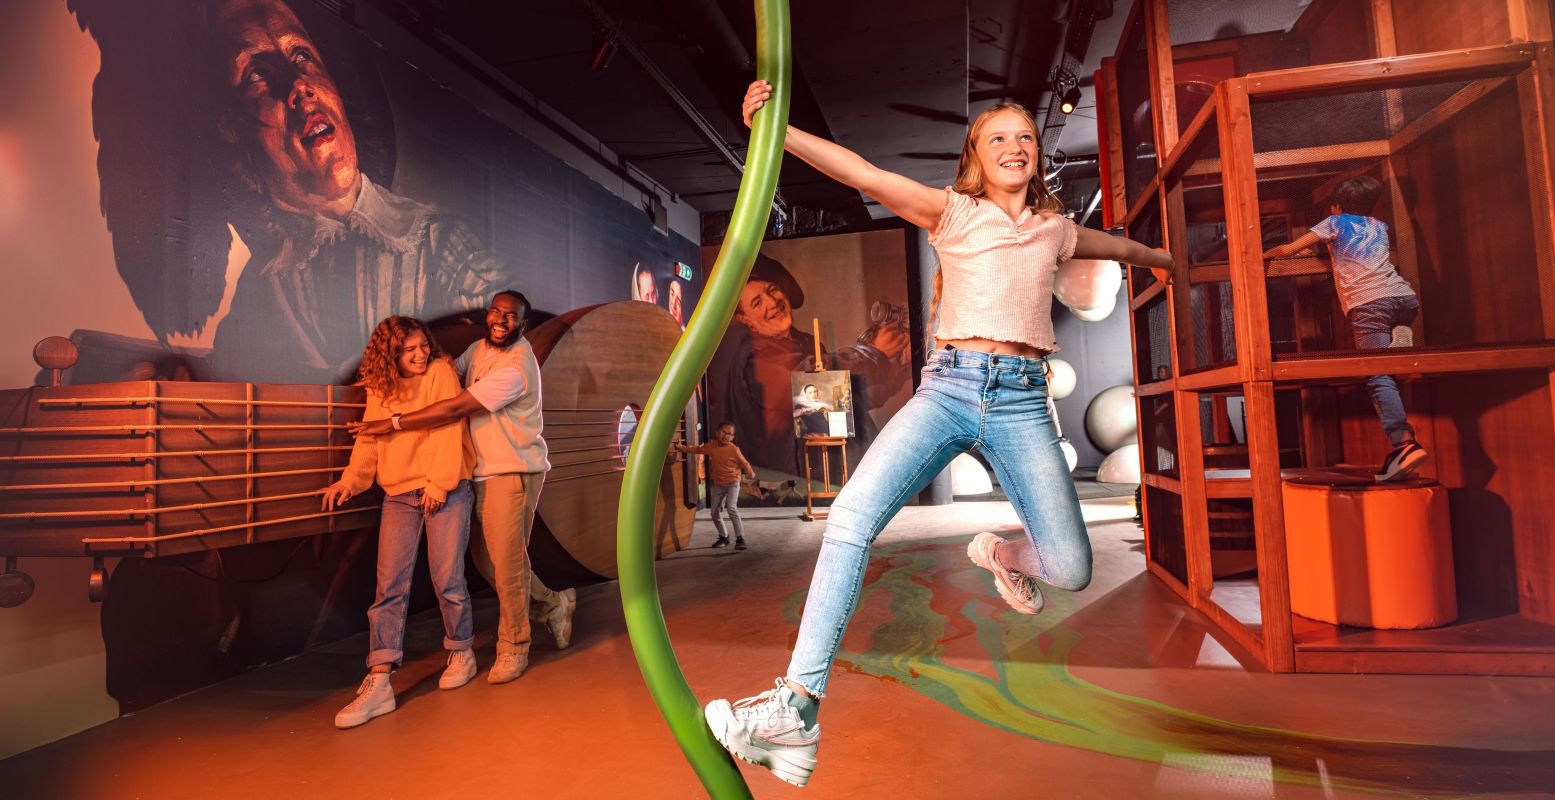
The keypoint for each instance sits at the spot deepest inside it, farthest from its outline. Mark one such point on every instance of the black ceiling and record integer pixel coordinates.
(892, 79)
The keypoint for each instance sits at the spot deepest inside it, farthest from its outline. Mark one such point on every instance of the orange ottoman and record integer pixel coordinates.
(1369, 554)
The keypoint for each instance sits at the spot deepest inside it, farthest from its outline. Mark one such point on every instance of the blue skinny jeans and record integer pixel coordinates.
(967, 400)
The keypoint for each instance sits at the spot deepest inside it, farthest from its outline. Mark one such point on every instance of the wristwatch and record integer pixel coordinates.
(394, 422)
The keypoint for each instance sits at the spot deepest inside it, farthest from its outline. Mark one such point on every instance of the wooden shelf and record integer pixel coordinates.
(1413, 362)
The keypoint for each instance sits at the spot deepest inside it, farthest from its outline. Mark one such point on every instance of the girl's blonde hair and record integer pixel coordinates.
(969, 172)
(380, 371)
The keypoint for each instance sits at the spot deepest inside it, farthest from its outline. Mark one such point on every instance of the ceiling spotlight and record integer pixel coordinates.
(1069, 99)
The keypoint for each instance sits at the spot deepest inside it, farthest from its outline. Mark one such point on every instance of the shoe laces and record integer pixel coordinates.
(367, 686)
(1025, 585)
(768, 705)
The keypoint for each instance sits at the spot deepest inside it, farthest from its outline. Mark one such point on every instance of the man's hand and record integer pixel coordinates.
(336, 494)
(890, 340)
(378, 427)
(430, 504)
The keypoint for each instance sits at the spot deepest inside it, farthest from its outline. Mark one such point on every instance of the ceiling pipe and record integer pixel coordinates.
(613, 29)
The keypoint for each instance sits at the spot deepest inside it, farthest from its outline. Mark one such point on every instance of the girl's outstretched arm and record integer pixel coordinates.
(1095, 244)
(907, 198)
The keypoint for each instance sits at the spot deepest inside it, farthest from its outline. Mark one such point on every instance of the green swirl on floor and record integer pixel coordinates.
(935, 598)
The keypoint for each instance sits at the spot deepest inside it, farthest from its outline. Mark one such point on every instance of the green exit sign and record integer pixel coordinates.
(684, 271)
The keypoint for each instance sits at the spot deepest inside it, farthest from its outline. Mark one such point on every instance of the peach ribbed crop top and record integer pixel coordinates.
(997, 273)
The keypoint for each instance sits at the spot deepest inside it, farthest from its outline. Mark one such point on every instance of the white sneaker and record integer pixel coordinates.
(1403, 336)
(766, 730)
(1019, 590)
(374, 698)
(508, 667)
(461, 668)
(558, 620)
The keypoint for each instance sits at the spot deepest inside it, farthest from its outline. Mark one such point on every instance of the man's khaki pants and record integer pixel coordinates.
(506, 506)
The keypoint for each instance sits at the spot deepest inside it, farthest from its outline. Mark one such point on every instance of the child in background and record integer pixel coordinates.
(1379, 303)
(725, 464)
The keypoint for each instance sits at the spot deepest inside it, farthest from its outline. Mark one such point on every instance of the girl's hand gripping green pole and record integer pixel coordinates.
(645, 463)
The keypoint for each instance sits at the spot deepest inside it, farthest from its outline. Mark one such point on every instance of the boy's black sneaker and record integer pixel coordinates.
(1403, 461)
(723, 541)
(739, 544)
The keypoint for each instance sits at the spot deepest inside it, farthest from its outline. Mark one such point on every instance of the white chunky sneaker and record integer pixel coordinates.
(461, 668)
(374, 698)
(1019, 590)
(766, 730)
(508, 667)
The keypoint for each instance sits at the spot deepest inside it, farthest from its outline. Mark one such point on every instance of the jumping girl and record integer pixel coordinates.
(1000, 239)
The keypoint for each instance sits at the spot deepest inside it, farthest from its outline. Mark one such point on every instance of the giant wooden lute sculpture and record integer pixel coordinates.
(634, 548)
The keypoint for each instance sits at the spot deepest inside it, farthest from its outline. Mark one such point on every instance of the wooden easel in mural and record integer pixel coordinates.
(821, 446)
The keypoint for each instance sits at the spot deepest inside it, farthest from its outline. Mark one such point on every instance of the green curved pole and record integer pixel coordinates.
(645, 462)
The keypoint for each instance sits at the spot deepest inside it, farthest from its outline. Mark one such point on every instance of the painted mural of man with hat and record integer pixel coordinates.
(748, 378)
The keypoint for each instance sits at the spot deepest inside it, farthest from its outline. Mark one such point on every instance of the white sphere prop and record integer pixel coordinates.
(1070, 454)
(1062, 382)
(1120, 467)
(967, 476)
(1094, 314)
(1110, 419)
(1082, 284)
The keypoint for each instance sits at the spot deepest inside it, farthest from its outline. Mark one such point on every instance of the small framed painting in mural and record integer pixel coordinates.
(823, 403)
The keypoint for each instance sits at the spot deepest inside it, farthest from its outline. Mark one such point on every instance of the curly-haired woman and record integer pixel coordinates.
(425, 477)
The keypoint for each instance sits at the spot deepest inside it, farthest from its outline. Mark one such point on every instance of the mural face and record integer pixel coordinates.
(771, 344)
(268, 184)
(292, 117)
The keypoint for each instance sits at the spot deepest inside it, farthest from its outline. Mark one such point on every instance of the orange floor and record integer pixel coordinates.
(1116, 692)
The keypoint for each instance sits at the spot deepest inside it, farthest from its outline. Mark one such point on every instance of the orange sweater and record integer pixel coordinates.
(403, 461)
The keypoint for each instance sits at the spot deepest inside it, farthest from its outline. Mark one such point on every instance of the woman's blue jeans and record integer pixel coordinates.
(966, 401)
(399, 537)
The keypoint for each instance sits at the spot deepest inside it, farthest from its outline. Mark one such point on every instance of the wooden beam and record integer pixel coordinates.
(1167, 577)
(1380, 21)
(1490, 358)
(1144, 298)
(1181, 316)
(1536, 96)
(1459, 102)
(1195, 512)
(1395, 72)
(1227, 622)
(1163, 81)
(1190, 140)
(1529, 20)
(1263, 454)
(1112, 147)
(1213, 271)
(1300, 157)
(1228, 488)
(1250, 310)
(1147, 195)
(1156, 387)
(1218, 378)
